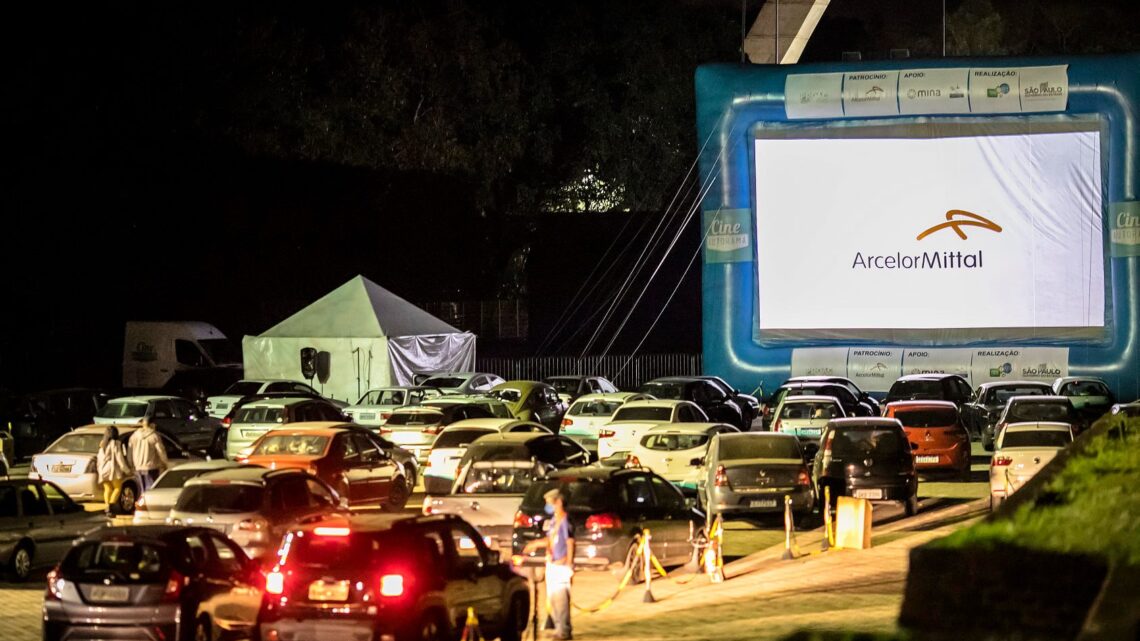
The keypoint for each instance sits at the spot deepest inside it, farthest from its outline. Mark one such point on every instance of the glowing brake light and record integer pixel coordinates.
(55, 585)
(391, 585)
(606, 433)
(721, 478)
(173, 586)
(567, 422)
(1003, 460)
(802, 478)
(523, 520)
(433, 429)
(275, 582)
(332, 531)
(227, 421)
(603, 522)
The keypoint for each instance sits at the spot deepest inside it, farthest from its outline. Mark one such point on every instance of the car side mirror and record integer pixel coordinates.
(697, 462)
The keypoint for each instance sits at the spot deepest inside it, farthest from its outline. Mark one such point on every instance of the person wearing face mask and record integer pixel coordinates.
(559, 545)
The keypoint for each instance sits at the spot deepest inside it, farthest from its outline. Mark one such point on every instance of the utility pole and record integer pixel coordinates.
(943, 28)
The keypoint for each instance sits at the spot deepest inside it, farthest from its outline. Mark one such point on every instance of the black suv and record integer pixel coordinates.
(867, 458)
(747, 402)
(709, 396)
(37, 420)
(609, 507)
(384, 576)
(985, 406)
(930, 387)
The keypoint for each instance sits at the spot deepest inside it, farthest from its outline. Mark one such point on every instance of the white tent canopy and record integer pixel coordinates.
(374, 338)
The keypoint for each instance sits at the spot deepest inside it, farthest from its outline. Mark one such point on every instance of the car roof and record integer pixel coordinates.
(136, 532)
(685, 428)
(609, 396)
(735, 435)
(278, 402)
(1069, 379)
(389, 388)
(244, 474)
(1040, 398)
(144, 398)
(993, 384)
(819, 379)
(510, 437)
(568, 377)
(320, 428)
(99, 428)
(676, 379)
(927, 377)
(865, 421)
(930, 403)
(522, 386)
(1033, 426)
(367, 523)
(489, 423)
(215, 464)
(659, 402)
(419, 409)
(807, 398)
(592, 472)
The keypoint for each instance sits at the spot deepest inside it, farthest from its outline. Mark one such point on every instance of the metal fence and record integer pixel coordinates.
(642, 368)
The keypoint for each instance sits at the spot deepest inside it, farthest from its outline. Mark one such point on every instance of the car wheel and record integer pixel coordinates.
(911, 506)
(966, 474)
(127, 498)
(410, 474)
(397, 495)
(516, 621)
(987, 442)
(204, 631)
(21, 563)
(634, 563)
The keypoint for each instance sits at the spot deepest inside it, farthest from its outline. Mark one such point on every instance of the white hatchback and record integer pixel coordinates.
(675, 451)
(590, 412)
(1021, 450)
(634, 418)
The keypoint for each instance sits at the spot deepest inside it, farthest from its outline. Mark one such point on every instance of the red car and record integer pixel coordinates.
(936, 434)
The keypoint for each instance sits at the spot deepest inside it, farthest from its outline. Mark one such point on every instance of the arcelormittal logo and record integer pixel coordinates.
(956, 219)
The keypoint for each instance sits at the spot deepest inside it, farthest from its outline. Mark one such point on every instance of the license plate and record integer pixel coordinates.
(61, 469)
(811, 432)
(334, 591)
(368, 417)
(109, 593)
(762, 503)
(926, 459)
(868, 494)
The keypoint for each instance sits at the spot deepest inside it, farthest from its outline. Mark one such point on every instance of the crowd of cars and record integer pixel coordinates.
(248, 530)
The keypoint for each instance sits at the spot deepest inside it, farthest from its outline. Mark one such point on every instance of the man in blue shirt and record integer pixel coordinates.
(559, 544)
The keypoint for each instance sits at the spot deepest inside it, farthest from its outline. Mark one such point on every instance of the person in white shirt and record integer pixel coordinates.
(148, 454)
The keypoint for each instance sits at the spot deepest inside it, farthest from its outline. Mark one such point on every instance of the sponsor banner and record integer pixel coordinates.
(1124, 228)
(1044, 88)
(728, 236)
(813, 95)
(873, 369)
(923, 360)
(819, 361)
(934, 91)
(871, 93)
(995, 91)
(1042, 364)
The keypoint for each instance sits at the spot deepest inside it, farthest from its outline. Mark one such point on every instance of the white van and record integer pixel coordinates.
(153, 352)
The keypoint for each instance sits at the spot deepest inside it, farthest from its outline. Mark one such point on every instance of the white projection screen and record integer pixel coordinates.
(931, 231)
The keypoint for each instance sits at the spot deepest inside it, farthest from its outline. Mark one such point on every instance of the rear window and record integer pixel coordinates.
(507, 395)
(594, 408)
(126, 561)
(415, 418)
(643, 414)
(444, 381)
(501, 477)
(76, 444)
(291, 445)
(460, 437)
(862, 441)
(564, 385)
(1084, 388)
(1036, 411)
(1036, 438)
(123, 410)
(673, 442)
(496, 409)
(810, 410)
(759, 446)
(211, 498)
(383, 397)
(178, 477)
(933, 417)
(919, 390)
(243, 388)
(260, 415)
(497, 452)
(674, 391)
(581, 495)
(1001, 395)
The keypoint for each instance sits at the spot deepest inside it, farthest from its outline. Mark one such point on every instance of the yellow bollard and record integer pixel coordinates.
(828, 530)
(714, 559)
(788, 554)
(647, 565)
(471, 628)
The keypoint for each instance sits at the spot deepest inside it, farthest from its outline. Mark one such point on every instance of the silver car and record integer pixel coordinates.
(37, 524)
(155, 504)
(220, 405)
(751, 473)
(173, 415)
(463, 382)
(378, 404)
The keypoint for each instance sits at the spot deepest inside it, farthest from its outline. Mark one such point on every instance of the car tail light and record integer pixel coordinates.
(140, 504)
(802, 478)
(777, 426)
(567, 422)
(392, 585)
(332, 531)
(227, 421)
(385, 415)
(385, 430)
(275, 582)
(434, 430)
(606, 433)
(604, 521)
(523, 520)
(1003, 460)
(173, 586)
(252, 525)
(721, 478)
(55, 585)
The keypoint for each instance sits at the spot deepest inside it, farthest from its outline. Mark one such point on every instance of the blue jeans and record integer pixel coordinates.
(148, 478)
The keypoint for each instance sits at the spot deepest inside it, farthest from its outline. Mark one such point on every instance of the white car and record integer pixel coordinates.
(463, 382)
(591, 412)
(674, 451)
(155, 504)
(634, 418)
(443, 460)
(805, 416)
(220, 405)
(1021, 450)
(252, 420)
(378, 404)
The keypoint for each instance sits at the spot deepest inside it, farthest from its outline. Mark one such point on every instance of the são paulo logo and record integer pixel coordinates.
(953, 222)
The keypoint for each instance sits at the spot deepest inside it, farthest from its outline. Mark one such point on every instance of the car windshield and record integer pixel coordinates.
(867, 440)
(929, 417)
(810, 410)
(126, 561)
(563, 385)
(177, 477)
(1084, 388)
(1036, 438)
(119, 409)
(594, 408)
(291, 445)
(243, 388)
(416, 419)
(673, 442)
(221, 350)
(76, 444)
(581, 495)
(644, 414)
(1001, 395)
(260, 415)
(460, 437)
(495, 408)
(507, 395)
(358, 552)
(759, 446)
(383, 397)
(1032, 411)
(916, 390)
(674, 391)
(215, 498)
(501, 477)
(444, 381)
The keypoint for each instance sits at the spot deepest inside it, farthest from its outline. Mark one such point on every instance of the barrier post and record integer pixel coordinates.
(714, 559)
(788, 555)
(827, 531)
(471, 627)
(647, 565)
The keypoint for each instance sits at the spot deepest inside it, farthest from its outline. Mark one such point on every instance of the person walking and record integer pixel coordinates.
(148, 454)
(559, 545)
(112, 467)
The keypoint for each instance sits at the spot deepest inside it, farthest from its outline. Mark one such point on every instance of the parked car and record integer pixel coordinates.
(493, 406)
(752, 473)
(937, 437)
(986, 404)
(1089, 395)
(609, 507)
(845, 383)
(391, 577)
(805, 417)
(416, 428)
(175, 416)
(378, 404)
(69, 462)
(345, 457)
(590, 413)
(674, 451)
(1126, 410)
(532, 401)
(38, 522)
(748, 403)
(220, 405)
(449, 447)
(495, 472)
(250, 421)
(36, 420)
(707, 395)
(867, 458)
(634, 418)
(852, 405)
(153, 507)
(930, 387)
(255, 506)
(569, 388)
(462, 382)
(404, 457)
(1034, 409)
(152, 582)
(1022, 450)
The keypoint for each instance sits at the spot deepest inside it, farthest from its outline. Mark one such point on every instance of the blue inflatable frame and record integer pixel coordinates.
(732, 98)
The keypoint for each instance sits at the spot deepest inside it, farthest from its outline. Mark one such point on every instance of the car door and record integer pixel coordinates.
(69, 516)
(674, 526)
(162, 415)
(380, 467)
(546, 406)
(237, 597)
(573, 454)
(195, 430)
(176, 452)
(355, 472)
(636, 493)
(42, 526)
(472, 577)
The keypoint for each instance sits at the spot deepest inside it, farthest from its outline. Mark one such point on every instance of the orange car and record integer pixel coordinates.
(936, 434)
(347, 457)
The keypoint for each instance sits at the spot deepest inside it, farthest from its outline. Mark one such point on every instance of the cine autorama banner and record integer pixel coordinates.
(976, 215)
